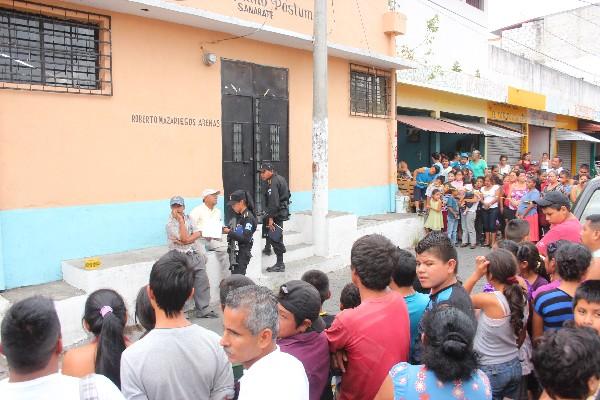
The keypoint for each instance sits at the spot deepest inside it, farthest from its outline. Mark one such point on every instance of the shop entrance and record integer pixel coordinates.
(254, 115)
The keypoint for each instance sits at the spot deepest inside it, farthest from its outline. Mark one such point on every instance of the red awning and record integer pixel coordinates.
(434, 125)
(589, 127)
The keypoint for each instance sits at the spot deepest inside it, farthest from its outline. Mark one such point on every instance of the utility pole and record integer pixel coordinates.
(320, 152)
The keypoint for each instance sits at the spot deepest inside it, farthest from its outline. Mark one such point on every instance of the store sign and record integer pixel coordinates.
(506, 112)
(149, 119)
(271, 8)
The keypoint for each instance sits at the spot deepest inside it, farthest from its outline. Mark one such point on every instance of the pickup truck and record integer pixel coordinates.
(589, 200)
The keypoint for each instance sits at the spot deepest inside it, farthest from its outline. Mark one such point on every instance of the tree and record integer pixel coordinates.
(456, 67)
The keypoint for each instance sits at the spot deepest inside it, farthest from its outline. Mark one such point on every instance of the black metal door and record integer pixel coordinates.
(254, 125)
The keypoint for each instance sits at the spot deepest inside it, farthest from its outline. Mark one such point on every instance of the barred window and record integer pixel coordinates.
(369, 91)
(274, 134)
(67, 53)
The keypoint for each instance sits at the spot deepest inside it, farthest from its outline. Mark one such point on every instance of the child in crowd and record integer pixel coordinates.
(545, 162)
(350, 297)
(531, 267)
(435, 221)
(105, 317)
(555, 306)
(517, 230)
(527, 210)
(453, 215)
(567, 363)
(436, 184)
(300, 328)
(469, 202)
(564, 177)
(437, 266)
(320, 281)
(404, 274)
(586, 305)
(144, 313)
(423, 177)
(502, 321)
(550, 267)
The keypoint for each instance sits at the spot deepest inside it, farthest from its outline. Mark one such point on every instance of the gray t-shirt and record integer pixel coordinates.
(178, 363)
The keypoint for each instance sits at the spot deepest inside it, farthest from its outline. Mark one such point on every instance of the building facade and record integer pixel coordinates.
(110, 107)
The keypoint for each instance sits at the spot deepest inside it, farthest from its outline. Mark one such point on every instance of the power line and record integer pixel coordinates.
(513, 40)
(571, 44)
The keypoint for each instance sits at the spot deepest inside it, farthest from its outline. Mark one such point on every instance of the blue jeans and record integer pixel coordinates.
(452, 228)
(504, 378)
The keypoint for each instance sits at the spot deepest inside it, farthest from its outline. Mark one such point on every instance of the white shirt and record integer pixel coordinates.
(56, 386)
(505, 170)
(490, 195)
(203, 218)
(276, 376)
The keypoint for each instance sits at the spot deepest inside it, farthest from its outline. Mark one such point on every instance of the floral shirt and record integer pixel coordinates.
(416, 382)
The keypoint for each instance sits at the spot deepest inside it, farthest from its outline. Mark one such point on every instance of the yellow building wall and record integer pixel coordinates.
(436, 100)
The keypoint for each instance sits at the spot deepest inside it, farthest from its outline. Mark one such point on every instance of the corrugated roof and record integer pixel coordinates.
(434, 125)
(487, 130)
(565, 135)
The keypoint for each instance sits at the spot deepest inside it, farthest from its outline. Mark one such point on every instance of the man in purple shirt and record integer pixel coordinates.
(300, 328)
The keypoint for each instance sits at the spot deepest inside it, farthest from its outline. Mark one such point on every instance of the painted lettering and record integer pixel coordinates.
(174, 120)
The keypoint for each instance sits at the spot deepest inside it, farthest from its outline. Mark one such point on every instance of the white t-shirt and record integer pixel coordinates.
(489, 195)
(56, 386)
(207, 220)
(276, 376)
(505, 170)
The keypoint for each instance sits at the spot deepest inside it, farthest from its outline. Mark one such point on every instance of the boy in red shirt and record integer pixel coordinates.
(563, 224)
(375, 335)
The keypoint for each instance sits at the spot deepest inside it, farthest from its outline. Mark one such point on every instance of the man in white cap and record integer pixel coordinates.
(207, 218)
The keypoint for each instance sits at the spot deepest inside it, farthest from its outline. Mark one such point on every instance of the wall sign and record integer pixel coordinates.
(270, 8)
(148, 119)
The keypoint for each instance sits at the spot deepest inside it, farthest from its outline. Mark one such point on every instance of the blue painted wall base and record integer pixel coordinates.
(33, 242)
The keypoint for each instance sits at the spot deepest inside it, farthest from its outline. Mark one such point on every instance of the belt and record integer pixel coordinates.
(190, 252)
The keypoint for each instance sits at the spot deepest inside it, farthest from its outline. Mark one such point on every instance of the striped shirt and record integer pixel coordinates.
(555, 307)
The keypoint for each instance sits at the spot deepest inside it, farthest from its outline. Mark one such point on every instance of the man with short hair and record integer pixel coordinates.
(564, 225)
(251, 326)
(32, 344)
(182, 234)
(320, 281)
(584, 169)
(556, 165)
(176, 359)
(277, 203)
(375, 335)
(590, 237)
(208, 220)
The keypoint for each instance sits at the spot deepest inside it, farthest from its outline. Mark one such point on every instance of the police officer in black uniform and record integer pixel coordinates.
(239, 234)
(277, 203)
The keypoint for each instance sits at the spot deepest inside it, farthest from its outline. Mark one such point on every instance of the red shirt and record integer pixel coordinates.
(569, 230)
(376, 336)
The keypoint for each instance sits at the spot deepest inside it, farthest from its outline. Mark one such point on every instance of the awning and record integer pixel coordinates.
(589, 127)
(485, 129)
(433, 125)
(564, 135)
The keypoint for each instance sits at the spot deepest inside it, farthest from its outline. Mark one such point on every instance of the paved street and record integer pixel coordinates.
(338, 279)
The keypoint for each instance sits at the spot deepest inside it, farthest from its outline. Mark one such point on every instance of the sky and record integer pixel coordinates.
(502, 13)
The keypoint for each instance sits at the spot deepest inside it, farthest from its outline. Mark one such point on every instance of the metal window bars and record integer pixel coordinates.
(369, 91)
(274, 139)
(49, 48)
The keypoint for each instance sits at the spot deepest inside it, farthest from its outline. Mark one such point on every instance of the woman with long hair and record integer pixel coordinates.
(489, 211)
(502, 321)
(105, 317)
(527, 209)
(449, 368)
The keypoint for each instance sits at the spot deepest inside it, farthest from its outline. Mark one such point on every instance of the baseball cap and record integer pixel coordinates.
(267, 166)
(303, 300)
(236, 196)
(177, 200)
(553, 198)
(464, 155)
(208, 192)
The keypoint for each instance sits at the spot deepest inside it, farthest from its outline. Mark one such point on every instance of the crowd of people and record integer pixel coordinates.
(473, 202)
(408, 328)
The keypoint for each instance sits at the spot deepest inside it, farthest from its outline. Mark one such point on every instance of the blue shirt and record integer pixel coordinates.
(464, 166)
(416, 304)
(555, 307)
(529, 196)
(415, 382)
(424, 179)
(451, 203)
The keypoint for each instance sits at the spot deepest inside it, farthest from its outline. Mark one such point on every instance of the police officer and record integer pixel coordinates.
(241, 230)
(277, 198)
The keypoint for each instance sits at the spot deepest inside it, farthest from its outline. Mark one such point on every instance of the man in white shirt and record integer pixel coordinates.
(251, 323)
(556, 165)
(208, 220)
(32, 344)
(590, 237)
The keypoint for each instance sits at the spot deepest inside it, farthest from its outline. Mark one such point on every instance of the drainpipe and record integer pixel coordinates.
(320, 167)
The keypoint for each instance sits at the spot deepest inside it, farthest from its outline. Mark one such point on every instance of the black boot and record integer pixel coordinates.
(267, 250)
(279, 265)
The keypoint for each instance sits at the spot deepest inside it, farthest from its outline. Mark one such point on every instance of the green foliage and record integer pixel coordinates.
(456, 67)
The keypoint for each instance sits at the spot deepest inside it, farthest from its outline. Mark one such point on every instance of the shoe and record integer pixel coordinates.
(210, 314)
(267, 251)
(277, 268)
(473, 247)
(464, 245)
